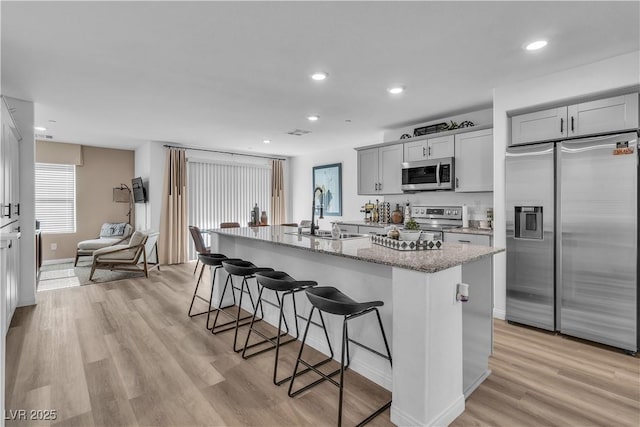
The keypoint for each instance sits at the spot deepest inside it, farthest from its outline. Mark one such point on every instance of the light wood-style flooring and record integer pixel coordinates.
(125, 353)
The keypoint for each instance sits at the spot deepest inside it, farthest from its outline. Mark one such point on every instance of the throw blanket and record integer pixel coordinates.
(113, 230)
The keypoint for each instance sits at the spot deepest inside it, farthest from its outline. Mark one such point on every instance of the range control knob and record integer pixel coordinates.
(455, 212)
(448, 212)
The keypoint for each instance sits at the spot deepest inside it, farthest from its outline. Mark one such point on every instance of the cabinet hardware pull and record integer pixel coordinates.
(18, 209)
(572, 124)
(8, 210)
(457, 182)
(464, 241)
(380, 186)
(429, 151)
(561, 125)
(423, 153)
(376, 186)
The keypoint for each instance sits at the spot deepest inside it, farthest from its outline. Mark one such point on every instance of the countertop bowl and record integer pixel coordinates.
(410, 235)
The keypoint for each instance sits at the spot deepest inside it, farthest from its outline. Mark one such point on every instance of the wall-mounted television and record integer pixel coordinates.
(139, 192)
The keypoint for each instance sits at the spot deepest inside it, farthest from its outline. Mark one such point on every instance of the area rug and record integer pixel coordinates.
(65, 275)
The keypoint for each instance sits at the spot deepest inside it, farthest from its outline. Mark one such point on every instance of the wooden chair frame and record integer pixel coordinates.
(123, 265)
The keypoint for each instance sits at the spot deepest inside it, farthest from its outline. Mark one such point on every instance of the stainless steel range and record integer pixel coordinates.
(437, 218)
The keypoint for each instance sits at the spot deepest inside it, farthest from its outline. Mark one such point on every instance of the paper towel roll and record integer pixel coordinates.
(465, 216)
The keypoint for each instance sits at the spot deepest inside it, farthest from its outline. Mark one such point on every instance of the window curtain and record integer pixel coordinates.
(277, 192)
(173, 218)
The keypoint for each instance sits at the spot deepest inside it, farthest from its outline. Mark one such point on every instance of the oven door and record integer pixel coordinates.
(436, 174)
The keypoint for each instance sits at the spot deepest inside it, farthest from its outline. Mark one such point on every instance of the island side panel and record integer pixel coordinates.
(477, 323)
(362, 281)
(427, 338)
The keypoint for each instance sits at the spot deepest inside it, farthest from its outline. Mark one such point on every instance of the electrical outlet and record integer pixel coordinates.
(54, 246)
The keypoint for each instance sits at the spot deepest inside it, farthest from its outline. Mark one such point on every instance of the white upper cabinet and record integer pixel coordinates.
(539, 126)
(587, 118)
(474, 161)
(603, 115)
(431, 148)
(442, 146)
(368, 171)
(390, 169)
(380, 170)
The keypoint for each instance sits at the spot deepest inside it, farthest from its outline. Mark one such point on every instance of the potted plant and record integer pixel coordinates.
(411, 231)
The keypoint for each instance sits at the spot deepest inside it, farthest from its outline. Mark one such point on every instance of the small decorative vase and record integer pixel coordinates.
(263, 218)
(396, 215)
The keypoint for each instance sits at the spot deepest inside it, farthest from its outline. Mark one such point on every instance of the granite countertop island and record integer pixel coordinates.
(427, 261)
(422, 314)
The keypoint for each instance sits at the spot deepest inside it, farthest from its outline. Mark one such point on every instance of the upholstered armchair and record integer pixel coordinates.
(126, 257)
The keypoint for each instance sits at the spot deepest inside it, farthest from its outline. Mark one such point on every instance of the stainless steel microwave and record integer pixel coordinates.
(433, 174)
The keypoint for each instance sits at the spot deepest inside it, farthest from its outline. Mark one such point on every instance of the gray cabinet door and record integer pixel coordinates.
(368, 171)
(474, 161)
(604, 115)
(390, 169)
(539, 126)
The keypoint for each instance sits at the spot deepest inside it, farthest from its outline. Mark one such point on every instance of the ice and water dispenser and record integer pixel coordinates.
(528, 222)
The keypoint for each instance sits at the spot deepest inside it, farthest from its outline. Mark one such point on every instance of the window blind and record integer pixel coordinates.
(221, 192)
(56, 197)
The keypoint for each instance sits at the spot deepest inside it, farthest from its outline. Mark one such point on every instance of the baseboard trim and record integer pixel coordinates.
(477, 383)
(499, 313)
(58, 261)
(446, 417)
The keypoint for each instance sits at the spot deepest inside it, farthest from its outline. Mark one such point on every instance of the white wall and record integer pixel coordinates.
(613, 73)
(149, 165)
(301, 183)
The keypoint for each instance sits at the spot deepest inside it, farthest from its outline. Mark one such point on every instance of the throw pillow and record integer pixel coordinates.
(113, 230)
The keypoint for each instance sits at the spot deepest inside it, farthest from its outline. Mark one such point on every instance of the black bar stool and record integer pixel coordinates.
(246, 270)
(331, 300)
(279, 282)
(211, 260)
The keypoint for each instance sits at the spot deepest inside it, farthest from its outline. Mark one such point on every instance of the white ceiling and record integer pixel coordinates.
(230, 74)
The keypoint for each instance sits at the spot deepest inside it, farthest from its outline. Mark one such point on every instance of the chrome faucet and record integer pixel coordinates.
(313, 210)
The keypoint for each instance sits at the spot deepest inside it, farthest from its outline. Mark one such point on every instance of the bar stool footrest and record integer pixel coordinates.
(314, 368)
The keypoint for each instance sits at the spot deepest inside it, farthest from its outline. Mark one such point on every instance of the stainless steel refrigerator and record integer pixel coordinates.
(572, 238)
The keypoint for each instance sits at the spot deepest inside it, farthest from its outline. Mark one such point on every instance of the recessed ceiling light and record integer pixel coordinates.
(267, 141)
(396, 90)
(319, 75)
(313, 118)
(40, 128)
(538, 44)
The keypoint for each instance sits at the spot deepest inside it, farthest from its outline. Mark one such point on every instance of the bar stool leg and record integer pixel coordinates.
(195, 295)
(345, 349)
(266, 339)
(215, 329)
(196, 269)
(238, 317)
(309, 367)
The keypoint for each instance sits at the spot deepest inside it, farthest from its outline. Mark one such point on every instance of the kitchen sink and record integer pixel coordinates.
(326, 234)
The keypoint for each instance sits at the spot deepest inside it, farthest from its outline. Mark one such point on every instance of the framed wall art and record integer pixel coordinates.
(329, 179)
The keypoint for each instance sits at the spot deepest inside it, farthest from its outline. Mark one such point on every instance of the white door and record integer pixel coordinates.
(440, 147)
(368, 171)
